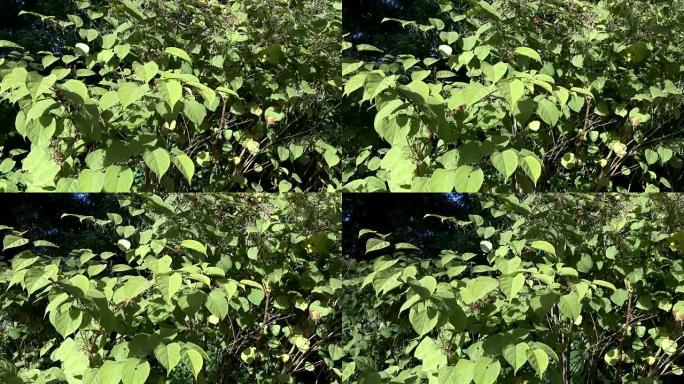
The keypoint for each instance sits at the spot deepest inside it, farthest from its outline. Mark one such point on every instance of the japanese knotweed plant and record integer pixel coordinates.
(197, 288)
(523, 96)
(560, 289)
(168, 95)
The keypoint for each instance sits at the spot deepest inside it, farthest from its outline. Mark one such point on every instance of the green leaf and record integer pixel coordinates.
(570, 306)
(468, 179)
(179, 53)
(354, 83)
(217, 304)
(651, 156)
(44, 86)
(24, 259)
(490, 9)
(516, 355)
(134, 286)
(168, 355)
(9, 44)
(505, 162)
(426, 285)
(130, 93)
(82, 49)
(462, 373)
(108, 100)
(194, 245)
(478, 288)
(194, 111)
(331, 158)
(172, 90)
(512, 285)
(169, 285)
(486, 371)
(529, 52)
(150, 70)
(605, 284)
(430, 354)
(538, 359)
(184, 164)
(118, 180)
(445, 50)
(496, 72)
(157, 160)
(81, 283)
(423, 319)
(544, 246)
(368, 48)
(40, 108)
(272, 116)
(532, 167)
(548, 112)
(374, 244)
(193, 360)
(66, 320)
(13, 241)
(612, 357)
(516, 89)
(110, 373)
(90, 180)
(135, 372)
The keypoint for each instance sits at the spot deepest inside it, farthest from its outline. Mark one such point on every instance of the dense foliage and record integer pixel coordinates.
(175, 96)
(506, 95)
(562, 289)
(192, 288)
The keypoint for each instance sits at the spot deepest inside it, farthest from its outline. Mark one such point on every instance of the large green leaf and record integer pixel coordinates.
(13, 241)
(570, 306)
(134, 286)
(169, 285)
(194, 111)
(548, 112)
(130, 93)
(217, 304)
(486, 371)
(157, 160)
(505, 162)
(478, 288)
(468, 179)
(512, 285)
(184, 164)
(193, 360)
(423, 319)
(168, 355)
(66, 319)
(529, 52)
(134, 371)
(461, 373)
(179, 53)
(538, 359)
(516, 355)
(194, 245)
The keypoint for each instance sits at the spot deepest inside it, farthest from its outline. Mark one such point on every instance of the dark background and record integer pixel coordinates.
(27, 30)
(40, 216)
(403, 215)
(362, 22)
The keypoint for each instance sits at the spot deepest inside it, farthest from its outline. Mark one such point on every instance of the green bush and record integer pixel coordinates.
(524, 96)
(176, 96)
(564, 289)
(195, 288)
